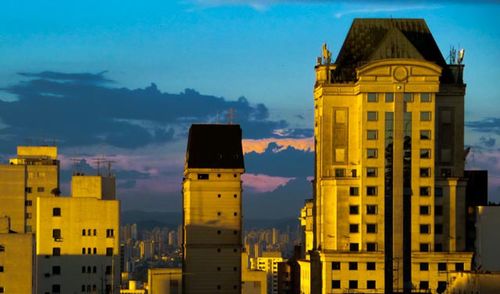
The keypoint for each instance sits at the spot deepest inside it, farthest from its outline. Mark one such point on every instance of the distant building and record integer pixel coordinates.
(133, 288)
(487, 257)
(476, 194)
(389, 195)
(212, 210)
(165, 281)
(268, 262)
(252, 281)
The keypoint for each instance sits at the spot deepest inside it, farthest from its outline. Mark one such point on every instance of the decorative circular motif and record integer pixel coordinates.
(400, 74)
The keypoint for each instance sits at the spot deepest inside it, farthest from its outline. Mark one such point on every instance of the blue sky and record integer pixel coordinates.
(262, 50)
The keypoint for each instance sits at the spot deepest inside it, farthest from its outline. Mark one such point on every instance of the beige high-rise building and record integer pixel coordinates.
(212, 210)
(388, 212)
(268, 263)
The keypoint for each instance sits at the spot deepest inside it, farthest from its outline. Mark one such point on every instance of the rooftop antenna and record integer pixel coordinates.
(453, 55)
(108, 165)
(99, 161)
(76, 165)
(461, 55)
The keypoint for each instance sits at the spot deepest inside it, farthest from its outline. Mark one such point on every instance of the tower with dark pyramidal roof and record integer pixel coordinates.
(388, 208)
(212, 217)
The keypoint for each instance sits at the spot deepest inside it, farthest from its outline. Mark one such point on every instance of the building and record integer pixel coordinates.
(212, 210)
(165, 281)
(268, 263)
(487, 256)
(252, 281)
(77, 239)
(389, 199)
(476, 194)
(133, 288)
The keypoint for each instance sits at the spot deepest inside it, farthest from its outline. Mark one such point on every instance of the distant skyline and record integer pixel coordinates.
(109, 78)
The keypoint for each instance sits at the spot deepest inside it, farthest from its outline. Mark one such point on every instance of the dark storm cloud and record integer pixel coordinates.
(486, 125)
(83, 109)
(289, 162)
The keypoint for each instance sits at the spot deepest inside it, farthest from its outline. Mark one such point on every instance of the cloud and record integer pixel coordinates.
(261, 145)
(487, 125)
(263, 183)
(381, 8)
(83, 109)
(487, 141)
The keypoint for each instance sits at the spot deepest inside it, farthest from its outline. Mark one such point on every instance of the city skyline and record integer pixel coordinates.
(263, 50)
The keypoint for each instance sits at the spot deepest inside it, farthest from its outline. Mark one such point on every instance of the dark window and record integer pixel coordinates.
(425, 97)
(1, 269)
(371, 209)
(371, 153)
(424, 209)
(371, 191)
(108, 270)
(425, 135)
(56, 234)
(353, 228)
(408, 97)
(438, 229)
(335, 265)
(353, 266)
(353, 284)
(389, 97)
(438, 210)
(446, 172)
(83, 232)
(371, 247)
(441, 286)
(56, 211)
(95, 232)
(28, 189)
(2, 248)
(372, 116)
(110, 233)
(371, 134)
(424, 266)
(438, 191)
(94, 269)
(442, 266)
(56, 270)
(83, 288)
(424, 285)
(1, 290)
(425, 153)
(40, 189)
(425, 172)
(28, 203)
(425, 191)
(372, 97)
(354, 191)
(425, 116)
(89, 250)
(459, 266)
(335, 284)
(371, 172)
(438, 247)
(109, 251)
(425, 229)
(56, 251)
(202, 176)
(371, 228)
(354, 173)
(353, 209)
(370, 284)
(370, 266)
(340, 172)
(83, 269)
(95, 250)
(56, 288)
(353, 247)
(424, 247)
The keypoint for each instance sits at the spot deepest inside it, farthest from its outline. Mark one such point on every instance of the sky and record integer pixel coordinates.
(125, 79)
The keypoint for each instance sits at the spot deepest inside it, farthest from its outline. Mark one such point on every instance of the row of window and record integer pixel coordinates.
(373, 116)
(220, 196)
(372, 153)
(38, 189)
(370, 247)
(93, 270)
(407, 97)
(370, 266)
(89, 232)
(373, 191)
(372, 172)
(353, 284)
(109, 251)
(234, 269)
(370, 228)
(373, 134)
(207, 176)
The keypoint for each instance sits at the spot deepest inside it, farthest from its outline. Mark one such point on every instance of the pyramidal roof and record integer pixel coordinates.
(375, 39)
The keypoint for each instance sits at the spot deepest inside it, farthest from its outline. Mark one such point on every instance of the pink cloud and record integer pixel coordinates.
(260, 145)
(263, 183)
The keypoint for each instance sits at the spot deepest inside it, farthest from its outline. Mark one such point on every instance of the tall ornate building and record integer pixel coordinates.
(388, 208)
(212, 217)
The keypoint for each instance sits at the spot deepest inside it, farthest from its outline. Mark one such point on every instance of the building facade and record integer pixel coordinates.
(389, 201)
(212, 220)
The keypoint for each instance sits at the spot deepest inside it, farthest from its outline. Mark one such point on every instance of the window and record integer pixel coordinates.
(89, 250)
(371, 209)
(425, 134)
(1, 290)
(438, 191)
(371, 284)
(353, 228)
(425, 229)
(336, 265)
(371, 228)
(1, 269)
(56, 211)
(371, 135)
(425, 191)
(83, 269)
(389, 97)
(372, 116)
(95, 232)
(370, 266)
(56, 234)
(202, 176)
(425, 153)
(353, 191)
(56, 270)
(424, 266)
(353, 266)
(56, 288)
(371, 172)
(56, 251)
(89, 232)
(109, 251)
(438, 229)
(94, 269)
(408, 97)
(28, 215)
(2, 248)
(371, 246)
(438, 210)
(372, 97)
(108, 270)
(442, 266)
(40, 189)
(425, 97)
(425, 172)
(371, 153)
(83, 232)
(28, 203)
(353, 247)
(424, 209)
(446, 172)
(95, 250)
(424, 247)
(425, 115)
(441, 286)
(335, 284)
(110, 233)
(340, 172)
(353, 284)
(424, 285)
(438, 247)
(371, 191)
(28, 189)
(459, 266)
(353, 209)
